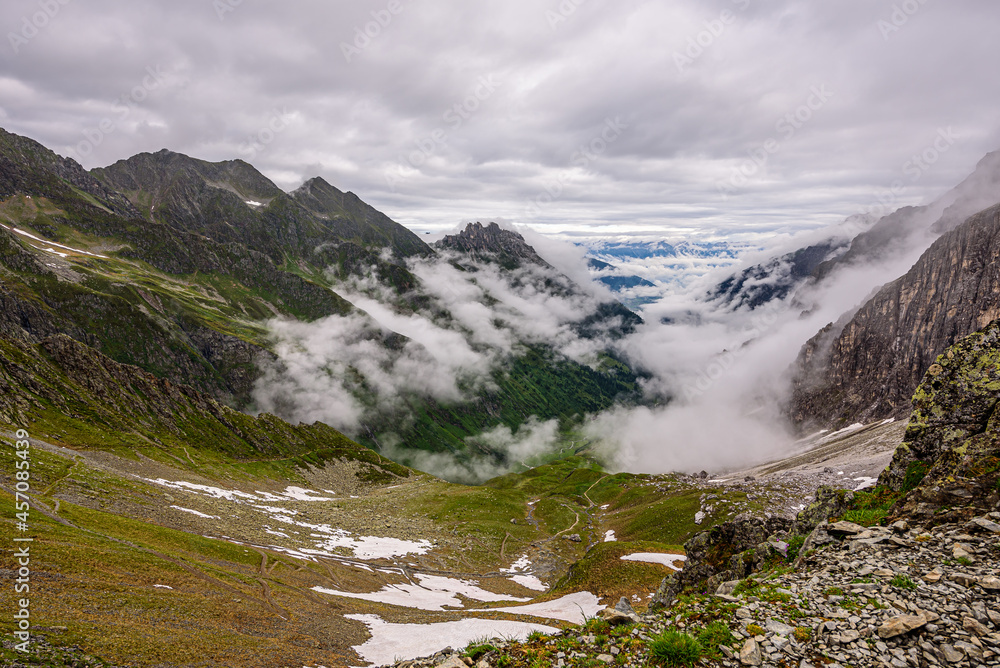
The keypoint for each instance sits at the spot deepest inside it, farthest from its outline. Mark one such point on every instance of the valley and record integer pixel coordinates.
(276, 428)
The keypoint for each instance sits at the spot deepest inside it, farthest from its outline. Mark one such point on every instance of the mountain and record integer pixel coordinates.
(181, 267)
(491, 243)
(775, 279)
(895, 235)
(868, 365)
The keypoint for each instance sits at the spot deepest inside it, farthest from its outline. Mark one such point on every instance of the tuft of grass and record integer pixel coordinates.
(477, 648)
(903, 582)
(712, 636)
(755, 629)
(802, 634)
(674, 648)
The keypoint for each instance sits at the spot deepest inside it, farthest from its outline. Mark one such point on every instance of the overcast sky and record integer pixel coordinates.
(582, 116)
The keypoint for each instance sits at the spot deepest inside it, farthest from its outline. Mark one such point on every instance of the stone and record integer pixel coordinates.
(993, 616)
(848, 636)
(961, 551)
(950, 654)
(900, 624)
(900, 527)
(750, 654)
(973, 626)
(605, 658)
(934, 575)
(983, 525)
(617, 618)
(990, 582)
(845, 529)
(777, 627)
(727, 588)
(624, 606)
(573, 538)
(452, 661)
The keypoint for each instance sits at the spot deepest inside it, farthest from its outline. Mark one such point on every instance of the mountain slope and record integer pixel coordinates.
(868, 365)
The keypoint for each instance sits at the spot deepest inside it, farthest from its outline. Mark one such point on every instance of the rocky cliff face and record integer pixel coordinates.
(867, 366)
(953, 438)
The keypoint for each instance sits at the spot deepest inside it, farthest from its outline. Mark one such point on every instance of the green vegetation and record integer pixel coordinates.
(901, 581)
(715, 634)
(674, 648)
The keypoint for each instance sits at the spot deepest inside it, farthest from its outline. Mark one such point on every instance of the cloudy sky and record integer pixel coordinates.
(673, 119)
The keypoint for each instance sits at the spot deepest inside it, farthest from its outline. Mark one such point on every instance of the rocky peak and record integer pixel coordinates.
(493, 243)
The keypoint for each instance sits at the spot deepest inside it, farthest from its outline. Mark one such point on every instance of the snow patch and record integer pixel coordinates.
(575, 608)
(390, 642)
(866, 482)
(609, 536)
(521, 574)
(842, 432)
(195, 512)
(253, 203)
(656, 558)
(162, 587)
(433, 592)
(50, 250)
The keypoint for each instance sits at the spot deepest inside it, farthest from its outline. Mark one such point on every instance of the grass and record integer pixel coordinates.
(712, 636)
(674, 648)
(603, 572)
(901, 581)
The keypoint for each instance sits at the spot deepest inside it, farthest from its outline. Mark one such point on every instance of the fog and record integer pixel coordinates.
(714, 379)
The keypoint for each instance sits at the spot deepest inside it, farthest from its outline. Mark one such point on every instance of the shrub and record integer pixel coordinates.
(673, 648)
(755, 629)
(802, 634)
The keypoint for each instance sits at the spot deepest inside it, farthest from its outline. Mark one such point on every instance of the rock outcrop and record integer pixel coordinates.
(953, 438)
